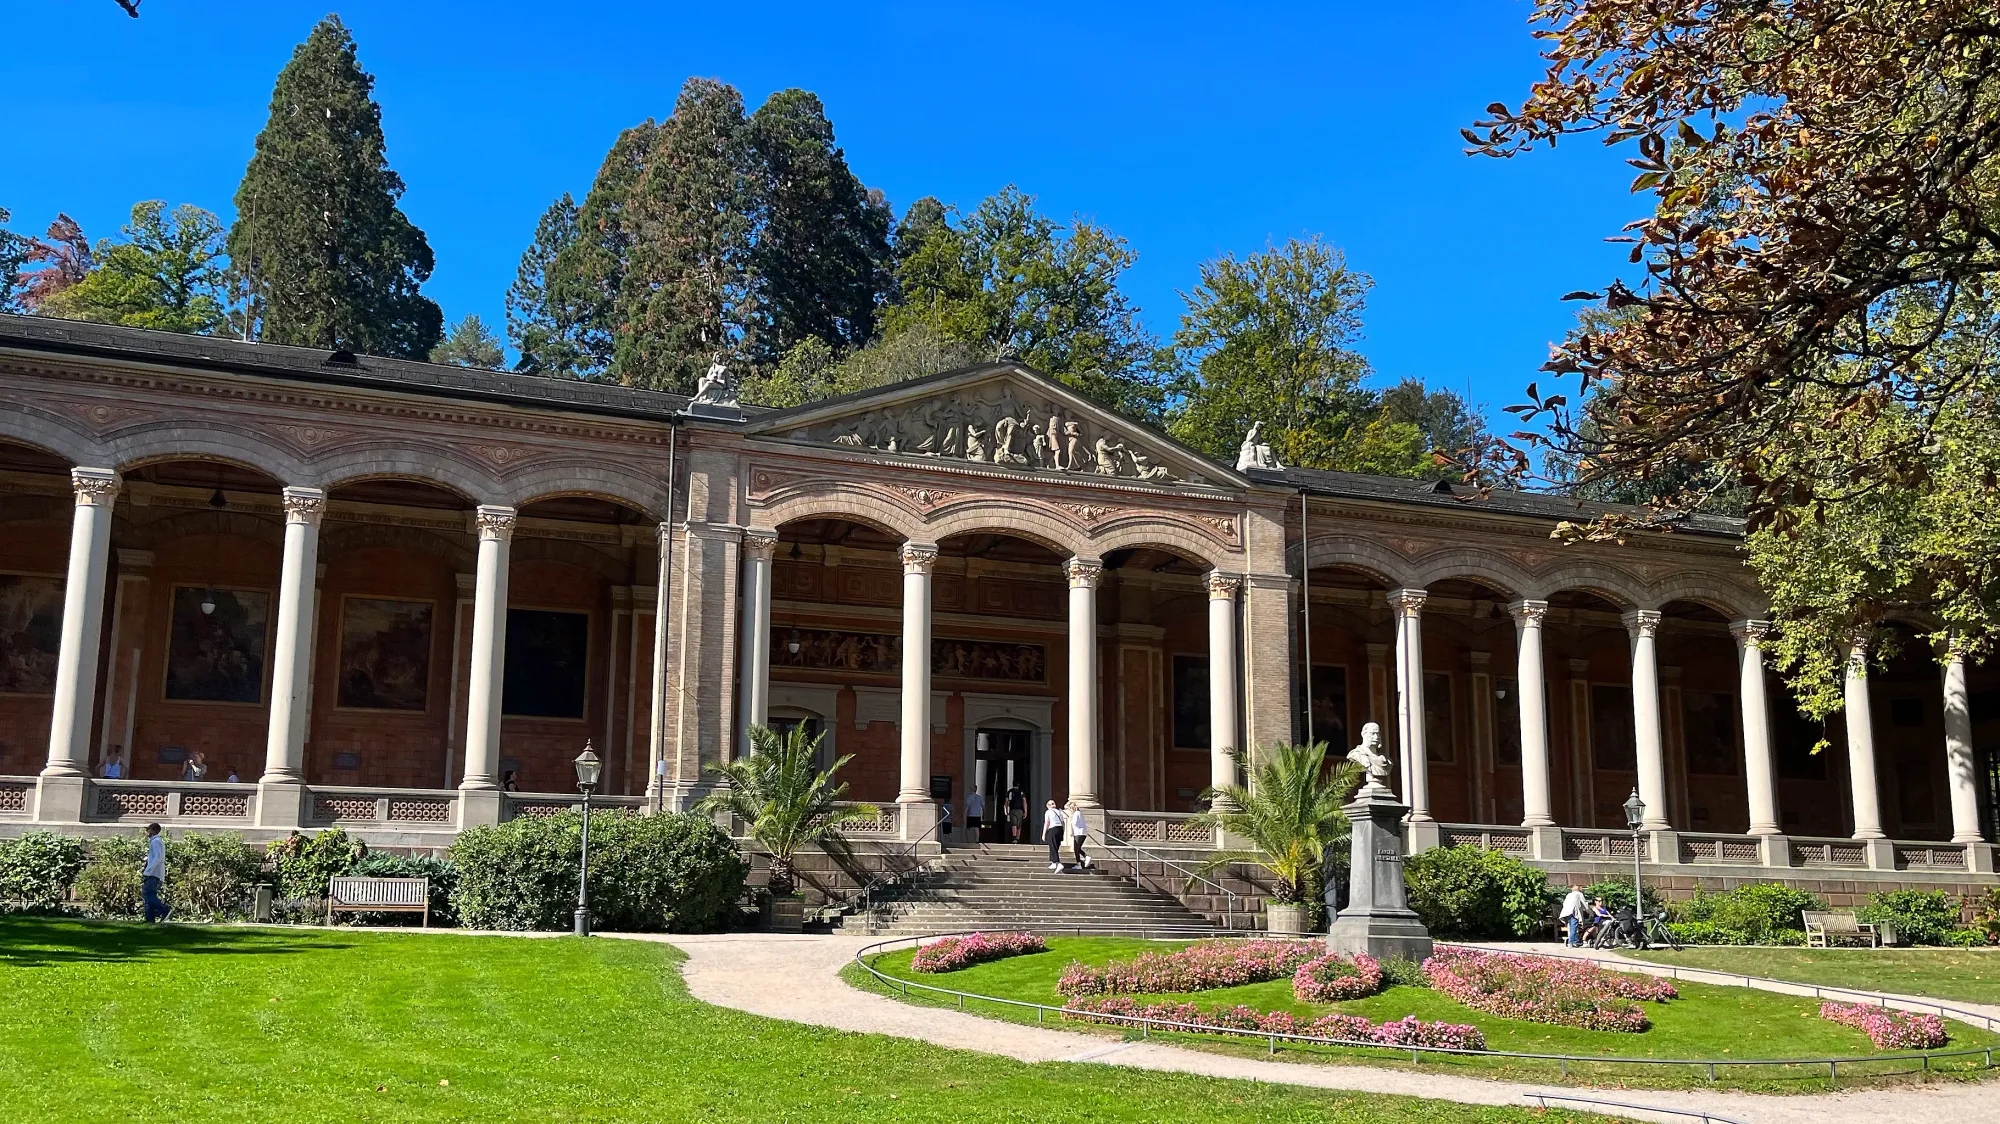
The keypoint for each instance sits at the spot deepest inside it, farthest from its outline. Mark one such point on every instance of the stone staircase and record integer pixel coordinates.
(1010, 886)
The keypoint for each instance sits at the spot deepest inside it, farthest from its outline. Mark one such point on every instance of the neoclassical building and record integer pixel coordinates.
(402, 597)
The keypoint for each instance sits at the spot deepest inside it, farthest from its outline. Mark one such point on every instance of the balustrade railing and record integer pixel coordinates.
(17, 797)
(1829, 852)
(1722, 849)
(1583, 844)
(1161, 829)
(1517, 841)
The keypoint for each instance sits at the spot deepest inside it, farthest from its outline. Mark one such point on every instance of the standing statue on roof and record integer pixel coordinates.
(1255, 452)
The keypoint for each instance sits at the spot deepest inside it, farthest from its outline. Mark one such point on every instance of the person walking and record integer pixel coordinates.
(975, 810)
(1079, 834)
(1017, 815)
(1574, 904)
(1053, 825)
(153, 876)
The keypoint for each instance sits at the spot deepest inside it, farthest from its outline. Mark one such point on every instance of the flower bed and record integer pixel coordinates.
(1544, 989)
(949, 954)
(1889, 1029)
(1333, 977)
(1407, 1031)
(1198, 967)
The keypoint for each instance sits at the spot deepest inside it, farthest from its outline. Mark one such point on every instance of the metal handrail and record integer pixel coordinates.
(1147, 1024)
(866, 891)
(1193, 876)
(1599, 1102)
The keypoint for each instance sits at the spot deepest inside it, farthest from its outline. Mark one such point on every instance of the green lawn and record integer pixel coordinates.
(1708, 1021)
(1971, 975)
(111, 1022)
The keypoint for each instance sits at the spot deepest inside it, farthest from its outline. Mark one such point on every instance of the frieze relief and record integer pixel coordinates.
(1000, 424)
(882, 653)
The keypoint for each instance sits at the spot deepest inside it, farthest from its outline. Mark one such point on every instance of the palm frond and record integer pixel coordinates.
(1290, 813)
(787, 802)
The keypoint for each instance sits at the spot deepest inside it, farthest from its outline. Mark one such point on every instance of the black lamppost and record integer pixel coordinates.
(1635, 814)
(587, 766)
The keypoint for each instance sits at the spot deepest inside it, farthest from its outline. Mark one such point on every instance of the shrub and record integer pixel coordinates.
(949, 954)
(1333, 977)
(306, 862)
(1407, 1031)
(1544, 989)
(1889, 1029)
(443, 878)
(1226, 962)
(1920, 916)
(1617, 895)
(38, 869)
(1758, 913)
(209, 876)
(1708, 932)
(1401, 971)
(109, 884)
(1468, 892)
(677, 873)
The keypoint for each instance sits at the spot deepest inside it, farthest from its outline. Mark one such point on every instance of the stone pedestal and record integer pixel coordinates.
(1378, 919)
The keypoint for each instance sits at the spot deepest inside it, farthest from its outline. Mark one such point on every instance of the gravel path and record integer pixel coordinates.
(796, 978)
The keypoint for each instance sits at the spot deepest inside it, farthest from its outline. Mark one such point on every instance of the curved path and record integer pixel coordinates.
(796, 978)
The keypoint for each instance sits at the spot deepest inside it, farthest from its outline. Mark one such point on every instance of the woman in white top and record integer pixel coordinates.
(1079, 832)
(1053, 823)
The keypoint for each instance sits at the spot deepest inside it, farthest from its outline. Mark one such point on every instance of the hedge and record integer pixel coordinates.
(1471, 893)
(671, 873)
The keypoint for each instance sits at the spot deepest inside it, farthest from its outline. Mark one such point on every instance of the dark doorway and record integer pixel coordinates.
(1003, 770)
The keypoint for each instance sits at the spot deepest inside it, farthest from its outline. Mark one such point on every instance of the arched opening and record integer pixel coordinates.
(1702, 719)
(1593, 739)
(1155, 674)
(1472, 724)
(1905, 688)
(35, 512)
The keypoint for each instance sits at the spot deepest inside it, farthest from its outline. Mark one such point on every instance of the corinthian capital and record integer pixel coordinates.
(1223, 587)
(1750, 633)
(94, 487)
(919, 557)
(1084, 573)
(760, 546)
(494, 522)
(304, 505)
(1408, 602)
(1643, 624)
(1528, 613)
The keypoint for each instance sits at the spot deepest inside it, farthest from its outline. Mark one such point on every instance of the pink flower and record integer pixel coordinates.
(1224, 962)
(949, 954)
(1407, 1031)
(1889, 1029)
(1545, 989)
(1332, 978)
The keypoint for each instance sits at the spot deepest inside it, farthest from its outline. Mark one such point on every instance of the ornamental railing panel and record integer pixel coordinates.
(1829, 852)
(15, 795)
(1595, 845)
(1723, 849)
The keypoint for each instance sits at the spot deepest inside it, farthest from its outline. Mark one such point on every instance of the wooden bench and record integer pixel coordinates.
(1823, 927)
(379, 895)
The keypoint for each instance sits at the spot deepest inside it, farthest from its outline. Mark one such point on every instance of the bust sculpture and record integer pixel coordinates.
(1255, 452)
(1372, 760)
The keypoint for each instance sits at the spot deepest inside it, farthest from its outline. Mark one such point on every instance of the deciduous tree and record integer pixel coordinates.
(168, 275)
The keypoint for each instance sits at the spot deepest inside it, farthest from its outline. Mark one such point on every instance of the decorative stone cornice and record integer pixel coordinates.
(94, 487)
(495, 523)
(1408, 602)
(1528, 614)
(1643, 624)
(1750, 633)
(919, 557)
(304, 505)
(1223, 587)
(1084, 573)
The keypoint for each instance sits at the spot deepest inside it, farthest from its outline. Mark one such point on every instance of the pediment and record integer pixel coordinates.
(1001, 415)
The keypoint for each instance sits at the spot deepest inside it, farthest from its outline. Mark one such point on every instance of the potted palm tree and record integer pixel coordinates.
(789, 804)
(1290, 816)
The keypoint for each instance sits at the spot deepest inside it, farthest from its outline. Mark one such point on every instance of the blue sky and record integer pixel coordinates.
(1191, 130)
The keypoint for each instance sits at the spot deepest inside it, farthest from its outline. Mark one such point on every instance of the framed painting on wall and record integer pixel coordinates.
(385, 654)
(31, 609)
(216, 642)
(548, 664)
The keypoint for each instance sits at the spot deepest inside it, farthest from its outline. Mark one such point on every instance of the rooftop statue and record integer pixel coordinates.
(1255, 452)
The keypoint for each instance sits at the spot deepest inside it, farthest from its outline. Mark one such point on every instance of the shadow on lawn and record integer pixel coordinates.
(28, 941)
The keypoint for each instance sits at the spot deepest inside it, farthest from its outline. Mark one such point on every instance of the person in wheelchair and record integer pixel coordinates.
(1601, 925)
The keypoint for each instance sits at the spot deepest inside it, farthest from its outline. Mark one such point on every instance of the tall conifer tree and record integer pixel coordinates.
(327, 257)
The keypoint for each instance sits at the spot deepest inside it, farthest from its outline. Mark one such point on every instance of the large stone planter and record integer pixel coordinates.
(1287, 918)
(787, 914)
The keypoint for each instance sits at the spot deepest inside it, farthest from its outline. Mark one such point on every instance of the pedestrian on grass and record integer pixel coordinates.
(1572, 915)
(1053, 825)
(1079, 834)
(153, 876)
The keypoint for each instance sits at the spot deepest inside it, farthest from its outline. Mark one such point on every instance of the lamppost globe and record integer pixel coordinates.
(587, 769)
(1635, 810)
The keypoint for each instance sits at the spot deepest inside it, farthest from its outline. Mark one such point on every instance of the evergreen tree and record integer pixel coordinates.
(14, 250)
(546, 324)
(822, 243)
(325, 253)
(168, 275)
(470, 343)
(686, 293)
(585, 277)
(1446, 425)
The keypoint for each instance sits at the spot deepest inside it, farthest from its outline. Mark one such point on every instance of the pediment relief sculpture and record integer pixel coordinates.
(1003, 425)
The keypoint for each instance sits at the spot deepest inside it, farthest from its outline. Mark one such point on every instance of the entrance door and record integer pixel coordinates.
(1002, 764)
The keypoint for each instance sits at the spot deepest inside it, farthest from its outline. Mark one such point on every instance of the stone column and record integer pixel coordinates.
(59, 795)
(1408, 606)
(758, 549)
(1861, 741)
(1534, 707)
(291, 651)
(1961, 765)
(1084, 574)
(1759, 769)
(1644, 625)
(915, 787)
(479, 792)
(1222, 713)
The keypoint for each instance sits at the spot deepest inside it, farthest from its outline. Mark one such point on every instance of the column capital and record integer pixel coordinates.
(304, 505)
(1750, 633)
(1643, 624)
(919, 557)
(1408, 602)
(1528, 613)
(760, 544)
(1084, 573)
(94, 487)
(1223, 587)
(1857, 643)
(494, 522)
